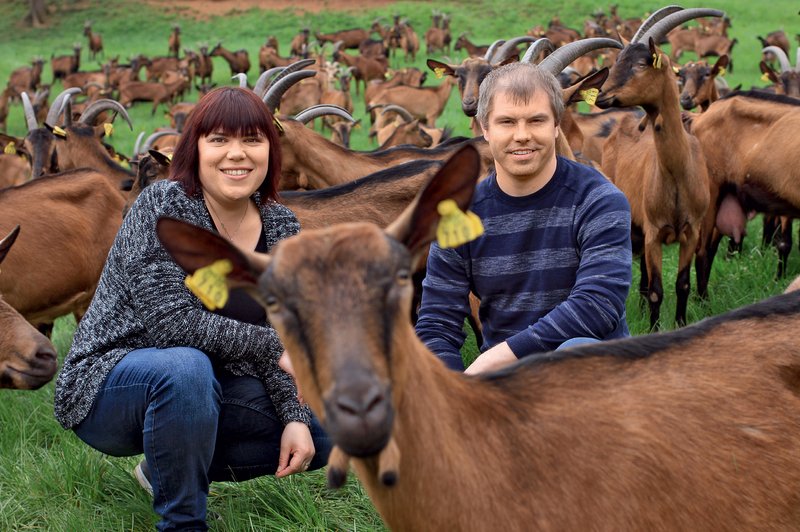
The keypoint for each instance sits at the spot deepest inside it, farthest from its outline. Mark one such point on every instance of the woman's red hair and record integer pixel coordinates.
(231, 111)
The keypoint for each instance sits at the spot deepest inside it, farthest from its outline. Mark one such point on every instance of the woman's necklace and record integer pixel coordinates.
(231, 236)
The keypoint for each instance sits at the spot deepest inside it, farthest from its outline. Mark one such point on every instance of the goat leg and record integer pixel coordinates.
(338, 464)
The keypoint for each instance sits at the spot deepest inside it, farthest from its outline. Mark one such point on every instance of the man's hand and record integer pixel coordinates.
(495, 358)
(297, 449)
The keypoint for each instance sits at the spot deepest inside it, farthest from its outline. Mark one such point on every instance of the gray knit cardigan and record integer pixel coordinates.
(141, 301)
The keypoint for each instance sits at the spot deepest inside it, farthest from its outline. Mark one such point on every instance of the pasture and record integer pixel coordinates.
(50, 480)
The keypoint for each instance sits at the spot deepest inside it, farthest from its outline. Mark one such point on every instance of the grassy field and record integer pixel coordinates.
(49, 480)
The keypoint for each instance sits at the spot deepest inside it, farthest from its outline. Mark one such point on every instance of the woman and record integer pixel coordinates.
(152, 371)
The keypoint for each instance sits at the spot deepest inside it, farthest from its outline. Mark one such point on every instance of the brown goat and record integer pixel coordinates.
(351, 38)
(299, 43)
(425, 103)
(364, 68)
(413, 77)
(699, 82)
(15, 165)
(64, 65)
(473, 50)
(147, 91)
(239, 61)
(95, 40)
(27, 358)
(662, 170)
(174, 41)
(438, 38)
(26, 79)
(576, 440)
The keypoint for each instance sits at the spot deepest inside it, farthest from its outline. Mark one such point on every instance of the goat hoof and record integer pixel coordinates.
(336, 478)
(389, 478)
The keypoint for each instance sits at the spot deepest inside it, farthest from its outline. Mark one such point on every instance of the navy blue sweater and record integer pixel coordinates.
(550, 266)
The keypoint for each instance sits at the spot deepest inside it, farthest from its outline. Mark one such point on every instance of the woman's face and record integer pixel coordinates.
(232, 167)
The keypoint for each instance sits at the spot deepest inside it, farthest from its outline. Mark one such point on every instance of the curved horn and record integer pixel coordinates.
(536, 49)
(96, 107)
(276, 90)
(399, 110)
(315, 111)
(263, 79)
(781, 55)
(563, 56)
(242, 77)
(30, 116)
(652, 19)
(670, 22)
(155, 136)
(57, 108)
(336, 46)
(294, 67)
(492, 48)
(508, 46)
(138, 144)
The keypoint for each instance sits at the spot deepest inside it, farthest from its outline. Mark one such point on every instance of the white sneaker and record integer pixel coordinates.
(142, 474)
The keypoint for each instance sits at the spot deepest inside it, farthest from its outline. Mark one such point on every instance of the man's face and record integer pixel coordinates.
(522, 137)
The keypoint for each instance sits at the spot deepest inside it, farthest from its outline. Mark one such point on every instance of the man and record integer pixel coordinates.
(554, 263)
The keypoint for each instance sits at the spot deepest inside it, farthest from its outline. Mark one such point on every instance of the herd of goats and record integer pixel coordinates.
(694, 157)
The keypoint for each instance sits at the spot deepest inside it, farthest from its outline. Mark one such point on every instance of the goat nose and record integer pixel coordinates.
(360, 406)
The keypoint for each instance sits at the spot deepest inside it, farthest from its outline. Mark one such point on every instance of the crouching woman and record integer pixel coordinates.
(152, 371)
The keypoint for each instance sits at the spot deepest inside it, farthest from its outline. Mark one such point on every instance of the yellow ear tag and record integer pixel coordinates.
(456, 227)
(208, 284)
(10, 149)
(59, 132)
(439, 71)
(656, 60)
(357, 126)
(109, 127)
(277, 123)
(169, 157)
(765, 77)
(589, 95)
(722, 71)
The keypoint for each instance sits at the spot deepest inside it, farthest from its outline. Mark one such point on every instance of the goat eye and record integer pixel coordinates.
(403, 276)
(273, 305)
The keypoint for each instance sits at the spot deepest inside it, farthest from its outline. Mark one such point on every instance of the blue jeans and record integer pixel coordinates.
(194, 422)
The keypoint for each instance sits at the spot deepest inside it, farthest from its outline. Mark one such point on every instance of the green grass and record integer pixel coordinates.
(50, 480)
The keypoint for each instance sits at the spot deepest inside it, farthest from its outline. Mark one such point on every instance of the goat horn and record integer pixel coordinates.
(402, 111)
(492, 48)
(652, 19)
(315, 111)
(534, 50)
(30, 116)
(242, 77)
(155, 136)
(96, 107)
(670, 22)
(508, 46)
(57, 108)
(294, 67)
(781, 55)
(564, 55)
(137, 144)
(263, 79)
(277, 89)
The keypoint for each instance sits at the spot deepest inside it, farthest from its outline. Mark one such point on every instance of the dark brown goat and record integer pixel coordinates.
(299, 43)
(26, 79)
(364, 68)
(661, 170)
(699, 83)
(351, 38)
(64, 65)
(27, 358)
(239, 60)
(95, 40)
(174, 41)
(577, 440)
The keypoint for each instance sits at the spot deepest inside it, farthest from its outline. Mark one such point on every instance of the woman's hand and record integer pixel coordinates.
(297, 449)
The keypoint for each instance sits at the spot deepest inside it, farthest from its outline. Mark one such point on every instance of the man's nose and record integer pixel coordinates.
(522, 131)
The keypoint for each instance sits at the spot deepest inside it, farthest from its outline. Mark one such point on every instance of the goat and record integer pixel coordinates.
(364, 68)
(409, 41)
(556, 33)
(699, 82)
(473, 50)
(39, 141)
(150, 91)
(425, 103)
(15, 166)
(351, 38)
(438, 38)
(95, 40)
(413, 77)
(26, 79)
(205, 66)
(774, 38)
(576, 440)
(179, 113)
(788, 81)
(27, 358)
(662, 170)
(239, 61)
(63, 65)
(340, 130)
(174, 41)
(5, 97)
(157, 66)
(299, 43)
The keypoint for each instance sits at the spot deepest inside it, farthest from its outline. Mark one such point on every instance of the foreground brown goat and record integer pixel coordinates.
(27, 358)
(692, 430)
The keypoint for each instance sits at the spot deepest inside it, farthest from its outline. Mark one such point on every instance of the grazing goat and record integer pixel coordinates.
(473, 50)
(95, 40)
(691, 430)
(151, 91)
(27, 358)
(425, 103)
(661, 170)
(364, 68)
(351, 38)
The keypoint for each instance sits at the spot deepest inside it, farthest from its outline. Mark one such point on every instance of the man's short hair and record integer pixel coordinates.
(521, 81)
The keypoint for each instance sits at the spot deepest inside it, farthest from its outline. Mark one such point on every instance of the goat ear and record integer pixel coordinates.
(444, 68)
(194, 247)
(160, 158)
(721, 64)
(416, 225)
(769, 72)
(592, 81)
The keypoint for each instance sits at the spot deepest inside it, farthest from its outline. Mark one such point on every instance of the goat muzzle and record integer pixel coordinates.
(359, 416)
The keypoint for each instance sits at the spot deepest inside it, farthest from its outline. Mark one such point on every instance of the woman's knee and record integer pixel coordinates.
(183, 373)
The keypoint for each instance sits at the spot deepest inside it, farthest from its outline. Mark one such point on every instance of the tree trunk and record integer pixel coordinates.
(37, 14)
